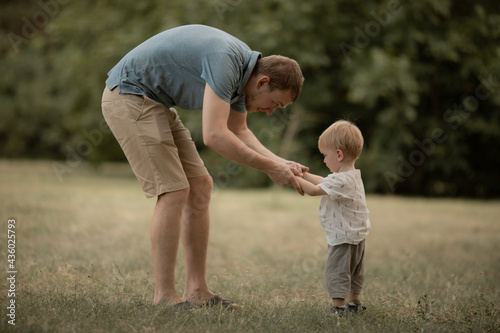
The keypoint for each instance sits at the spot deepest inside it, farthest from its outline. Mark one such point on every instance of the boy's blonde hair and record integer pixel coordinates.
(342, 135)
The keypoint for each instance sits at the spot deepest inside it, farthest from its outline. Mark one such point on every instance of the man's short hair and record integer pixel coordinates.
(284, 74)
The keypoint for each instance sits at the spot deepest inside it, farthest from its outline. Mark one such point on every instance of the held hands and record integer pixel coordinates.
(285, 174)
(298, 171)
(297, 168)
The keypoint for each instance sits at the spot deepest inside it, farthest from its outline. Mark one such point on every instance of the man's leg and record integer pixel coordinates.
(165, 232)
(194, 234)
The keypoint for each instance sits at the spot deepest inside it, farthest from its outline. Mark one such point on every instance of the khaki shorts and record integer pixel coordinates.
(158, 147)
(344, 270)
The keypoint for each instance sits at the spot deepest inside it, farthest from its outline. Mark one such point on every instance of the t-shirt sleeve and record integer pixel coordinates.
(334, 186)
(239, 105)
(222, 72)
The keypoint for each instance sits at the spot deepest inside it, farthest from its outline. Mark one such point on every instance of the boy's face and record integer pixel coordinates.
(333, 159)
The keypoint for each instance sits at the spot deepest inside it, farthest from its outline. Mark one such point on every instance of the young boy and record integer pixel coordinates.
(342, 213)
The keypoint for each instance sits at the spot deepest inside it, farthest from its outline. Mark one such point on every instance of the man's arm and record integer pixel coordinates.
(238, 125)
(218, 136)
(310, 188)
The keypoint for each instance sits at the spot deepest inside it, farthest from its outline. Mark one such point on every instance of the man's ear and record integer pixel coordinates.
(262, 81)
(340, 155)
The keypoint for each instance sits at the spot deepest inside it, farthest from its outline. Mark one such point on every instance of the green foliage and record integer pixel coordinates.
(404, 71)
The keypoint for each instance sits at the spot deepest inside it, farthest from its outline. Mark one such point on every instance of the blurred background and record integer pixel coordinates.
(420, 78)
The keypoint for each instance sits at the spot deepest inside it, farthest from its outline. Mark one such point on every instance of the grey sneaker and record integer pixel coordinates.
(356, 307)
(339, 311)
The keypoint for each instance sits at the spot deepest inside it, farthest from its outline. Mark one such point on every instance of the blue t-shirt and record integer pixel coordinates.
(173, 67)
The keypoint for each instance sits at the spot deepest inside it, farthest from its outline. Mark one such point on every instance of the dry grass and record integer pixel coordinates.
(84, 265)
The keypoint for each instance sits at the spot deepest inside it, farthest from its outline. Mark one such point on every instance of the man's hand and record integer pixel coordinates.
(297, 168)
(282, 174)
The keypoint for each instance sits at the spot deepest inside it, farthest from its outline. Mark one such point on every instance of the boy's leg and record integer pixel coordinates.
(338, 302)
(337, 273)
(357, 270)
(354, 297)
(357, 277)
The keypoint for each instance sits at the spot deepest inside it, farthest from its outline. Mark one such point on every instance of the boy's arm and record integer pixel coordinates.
(312, 178)
(310, 188)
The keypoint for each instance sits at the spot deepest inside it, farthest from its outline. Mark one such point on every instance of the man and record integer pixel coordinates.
(193, 67)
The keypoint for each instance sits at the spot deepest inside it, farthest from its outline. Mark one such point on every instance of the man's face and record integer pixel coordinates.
(265, 100)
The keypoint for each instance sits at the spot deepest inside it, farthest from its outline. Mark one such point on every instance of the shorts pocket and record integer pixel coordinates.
(131, 105)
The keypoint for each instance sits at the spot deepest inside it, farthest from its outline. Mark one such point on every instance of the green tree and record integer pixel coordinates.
(420, 78)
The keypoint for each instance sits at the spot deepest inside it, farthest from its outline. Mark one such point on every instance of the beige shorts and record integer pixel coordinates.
(158, 147)
(344, 270)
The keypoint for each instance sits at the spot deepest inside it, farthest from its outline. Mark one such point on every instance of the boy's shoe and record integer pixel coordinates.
(356, 307)
(339, 311)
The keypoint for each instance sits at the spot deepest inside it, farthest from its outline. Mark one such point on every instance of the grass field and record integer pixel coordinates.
(83, 260)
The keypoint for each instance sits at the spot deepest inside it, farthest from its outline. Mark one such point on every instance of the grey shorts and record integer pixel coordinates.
(158, 147)
(344, 271)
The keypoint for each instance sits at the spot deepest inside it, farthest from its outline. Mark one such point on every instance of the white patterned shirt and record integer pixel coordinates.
(343, 212)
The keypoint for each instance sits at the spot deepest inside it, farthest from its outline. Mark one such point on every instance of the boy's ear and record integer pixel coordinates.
(340, 155)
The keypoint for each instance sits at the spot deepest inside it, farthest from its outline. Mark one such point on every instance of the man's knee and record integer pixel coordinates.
(201, 184)
(200, 191)
(176, 198)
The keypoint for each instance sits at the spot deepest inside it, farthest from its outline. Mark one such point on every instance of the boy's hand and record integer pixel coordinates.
(297, 168)
(310, 188)
(302, 191)
(282, 174)
(315, 179)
